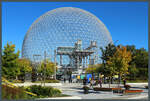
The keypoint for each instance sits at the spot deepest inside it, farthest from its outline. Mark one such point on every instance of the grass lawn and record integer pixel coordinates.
(63, 95)
(137, 81)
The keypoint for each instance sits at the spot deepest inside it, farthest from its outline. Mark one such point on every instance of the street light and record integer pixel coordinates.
(55, 64)
(35, 65)
(44, 66)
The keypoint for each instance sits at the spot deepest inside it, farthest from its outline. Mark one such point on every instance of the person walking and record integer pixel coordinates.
(92, 82)
(124, 82)
(64, 80)
(100, 82)
(84, 81)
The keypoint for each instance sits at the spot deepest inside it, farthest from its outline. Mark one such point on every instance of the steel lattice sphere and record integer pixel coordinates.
(63, 27)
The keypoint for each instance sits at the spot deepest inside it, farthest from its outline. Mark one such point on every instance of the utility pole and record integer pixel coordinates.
(35, 65)
(44, 66)
(55, 64)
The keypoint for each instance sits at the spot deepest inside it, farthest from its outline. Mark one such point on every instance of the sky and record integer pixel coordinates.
(127, 22)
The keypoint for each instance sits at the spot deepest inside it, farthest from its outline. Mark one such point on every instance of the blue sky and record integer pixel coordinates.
(126, 21)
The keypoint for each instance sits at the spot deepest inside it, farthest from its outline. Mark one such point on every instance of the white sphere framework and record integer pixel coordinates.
(63, 27)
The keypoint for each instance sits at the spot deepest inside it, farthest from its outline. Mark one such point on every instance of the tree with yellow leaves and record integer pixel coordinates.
(119, 63)
(91, 69)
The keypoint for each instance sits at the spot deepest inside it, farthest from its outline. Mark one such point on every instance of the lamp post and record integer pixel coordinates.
(44, 66)
(35, 66)
(55, 64)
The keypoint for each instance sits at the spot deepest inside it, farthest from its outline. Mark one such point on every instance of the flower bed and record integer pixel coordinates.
(132, 91)
(118, 91)
(106, 89)
(116, 88)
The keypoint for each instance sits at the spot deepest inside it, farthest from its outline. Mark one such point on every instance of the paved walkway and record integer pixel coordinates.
(70, 97)
(76, 91)
(30, 83)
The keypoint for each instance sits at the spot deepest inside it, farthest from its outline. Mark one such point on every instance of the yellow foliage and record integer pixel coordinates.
(119, 62)
(91, 69)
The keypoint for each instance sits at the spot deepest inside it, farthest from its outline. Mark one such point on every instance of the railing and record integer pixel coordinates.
(4, 81)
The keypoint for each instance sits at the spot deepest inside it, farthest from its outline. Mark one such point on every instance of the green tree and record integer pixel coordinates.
(139, 62)
(107, 52)
(24, 66)
(49, 70)
(133, 72)
(141, 59)
(9, 61)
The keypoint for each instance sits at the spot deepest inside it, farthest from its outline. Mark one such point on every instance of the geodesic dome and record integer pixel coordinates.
(63, 27)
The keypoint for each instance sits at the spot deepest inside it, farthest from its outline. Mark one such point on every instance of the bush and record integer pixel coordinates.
(86, 88)
(146, 87)
(17, 81)
(127, 87)
(44, 91)
(13, 93)
(52, 81)
(48, 81)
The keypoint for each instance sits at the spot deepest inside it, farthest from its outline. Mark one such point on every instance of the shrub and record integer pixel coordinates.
(48, 81)
(17, 81)
(52, 81)
(146, 87)
(13, 93)
(86, 88)
(44, 91)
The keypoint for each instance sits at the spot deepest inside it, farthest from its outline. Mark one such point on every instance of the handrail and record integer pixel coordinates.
(12, 85)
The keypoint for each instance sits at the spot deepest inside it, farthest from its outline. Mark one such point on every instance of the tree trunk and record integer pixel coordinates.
(119, 80)
(104, 79)
(109, 82)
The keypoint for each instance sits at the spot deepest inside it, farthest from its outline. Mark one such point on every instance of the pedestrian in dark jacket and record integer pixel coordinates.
(124, 82)
(64, 80)
(84, 81)
(100, 82)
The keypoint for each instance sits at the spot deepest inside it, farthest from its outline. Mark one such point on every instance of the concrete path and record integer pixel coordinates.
(46, 84)
(70, 97)
(76, 91)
